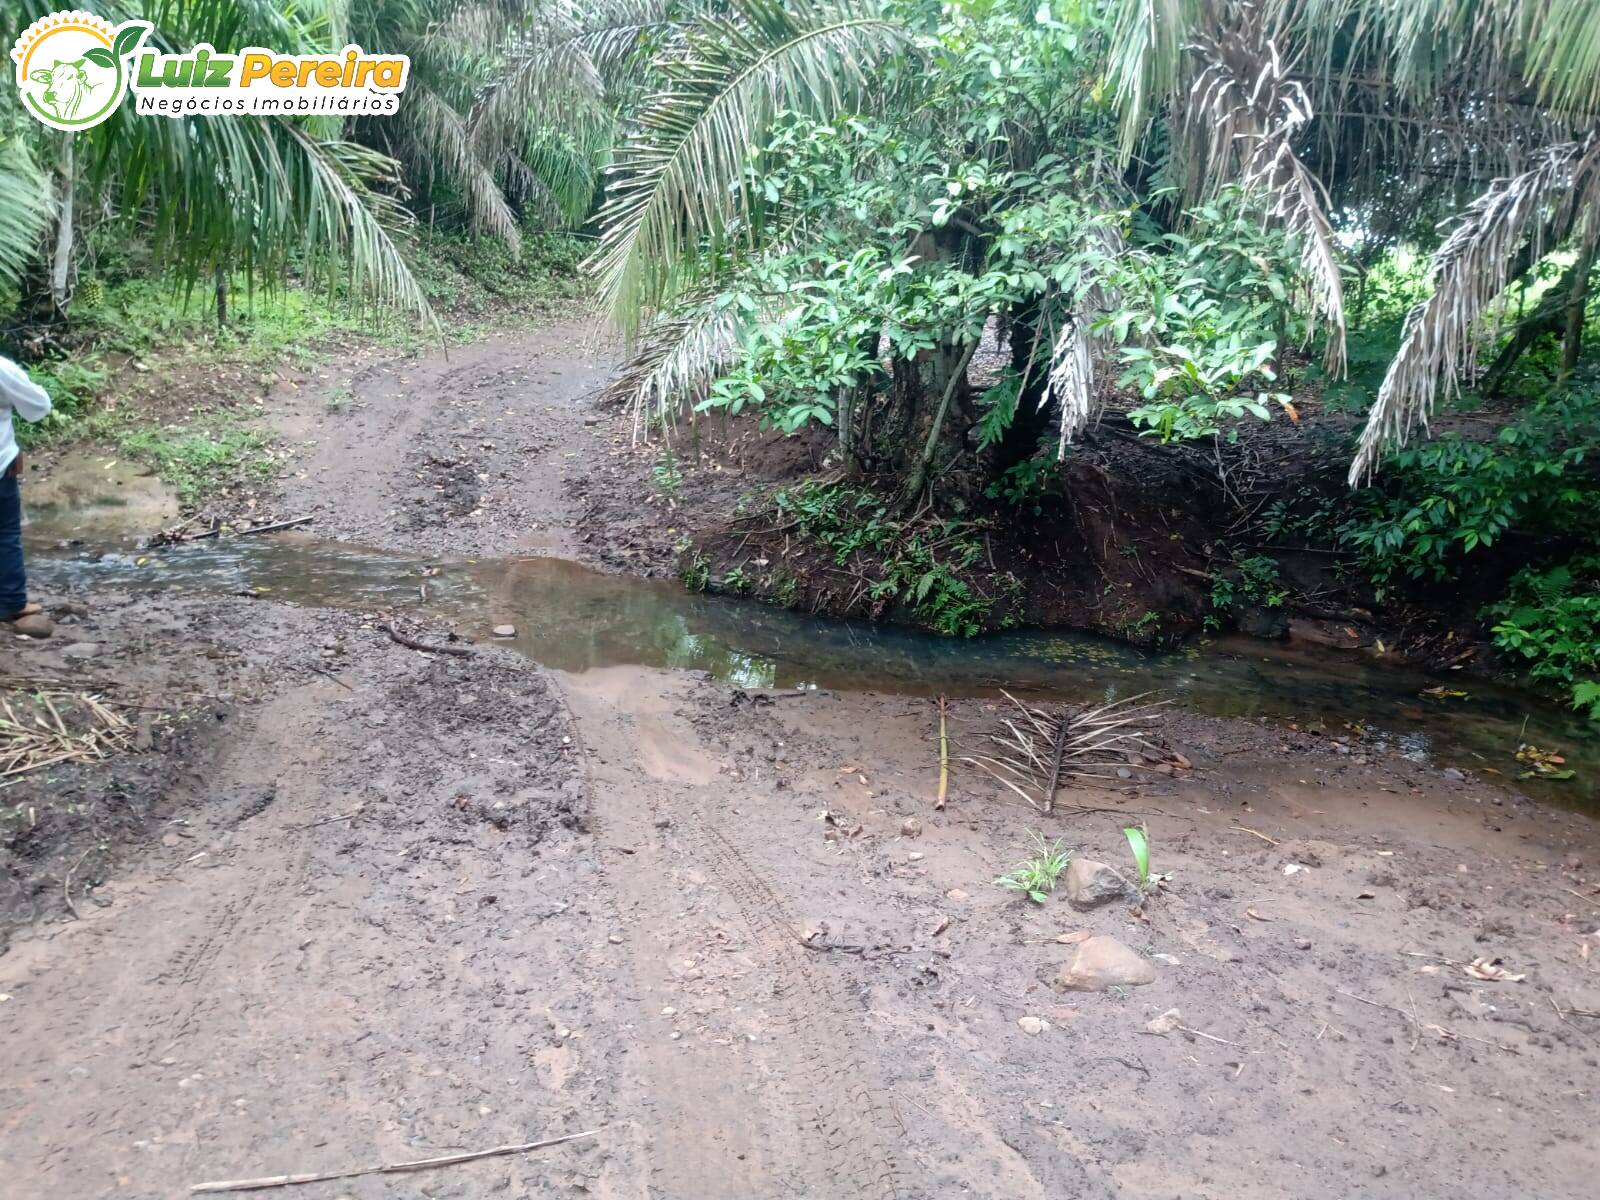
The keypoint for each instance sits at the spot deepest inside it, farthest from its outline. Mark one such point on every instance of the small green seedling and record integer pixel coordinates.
(1037, 876)
(1139, 843)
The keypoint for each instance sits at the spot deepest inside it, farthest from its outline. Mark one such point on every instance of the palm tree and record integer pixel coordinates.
(673, 193)
(1386, 109)
(505, 107)
(215, 195)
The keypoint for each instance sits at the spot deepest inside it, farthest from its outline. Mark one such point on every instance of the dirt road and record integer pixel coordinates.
(394, 905)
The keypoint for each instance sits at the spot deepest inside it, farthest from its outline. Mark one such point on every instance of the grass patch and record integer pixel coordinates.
(1035, 877)
(203, 456)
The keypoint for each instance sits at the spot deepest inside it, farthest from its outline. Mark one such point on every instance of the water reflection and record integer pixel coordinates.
(575, 619)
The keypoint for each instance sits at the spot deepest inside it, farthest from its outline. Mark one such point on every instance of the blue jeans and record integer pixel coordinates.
(13, 581)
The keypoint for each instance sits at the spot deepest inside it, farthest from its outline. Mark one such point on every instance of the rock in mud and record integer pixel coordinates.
(1091, 884)
(1269, 624)
(1103, 962)
(505, 631)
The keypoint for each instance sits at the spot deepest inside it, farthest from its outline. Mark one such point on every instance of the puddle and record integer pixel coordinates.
(575, 619)
(99, 495)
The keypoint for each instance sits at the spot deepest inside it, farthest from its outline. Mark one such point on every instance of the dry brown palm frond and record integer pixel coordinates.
(1248, 109)
(1072, 381)
(1444, 334)
(1035, 751)
(46, 728)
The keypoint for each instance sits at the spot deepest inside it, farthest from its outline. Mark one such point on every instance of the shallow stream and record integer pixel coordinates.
(574, 619)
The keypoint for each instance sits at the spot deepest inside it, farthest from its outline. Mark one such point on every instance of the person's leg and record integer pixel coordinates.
(13, 579)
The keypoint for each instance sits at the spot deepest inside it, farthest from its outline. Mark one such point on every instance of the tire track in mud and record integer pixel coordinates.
(852, 1118)
(847, 1130)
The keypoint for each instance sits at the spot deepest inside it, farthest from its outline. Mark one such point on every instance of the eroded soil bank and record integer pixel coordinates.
(358, 903)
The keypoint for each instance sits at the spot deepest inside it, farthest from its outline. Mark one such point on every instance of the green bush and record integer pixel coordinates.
(1551, 619)
(1439, 501)
(921, 566)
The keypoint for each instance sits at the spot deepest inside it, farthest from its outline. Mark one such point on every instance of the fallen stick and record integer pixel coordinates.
(345, 816)
(1253, 833)
(1444, 1034)
(420, 1164)
(273, 528)
(66, 885)
(1063, 724)
(401, 639)
(944, 757)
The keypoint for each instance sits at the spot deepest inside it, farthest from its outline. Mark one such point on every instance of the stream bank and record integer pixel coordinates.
(395, 904)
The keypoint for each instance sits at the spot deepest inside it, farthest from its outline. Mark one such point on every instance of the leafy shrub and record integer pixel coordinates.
(1439, 501)
(1551, 619)
(918, 565)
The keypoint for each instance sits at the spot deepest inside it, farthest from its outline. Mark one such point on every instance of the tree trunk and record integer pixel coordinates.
(47, 281)
(222, 297)
(61, 260)
(1577, 304)
(1547, 319)
(940, 413)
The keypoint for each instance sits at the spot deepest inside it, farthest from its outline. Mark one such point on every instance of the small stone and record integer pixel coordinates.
(955, 894)
(1103, 962)
(911, 827)
(1165, 1023)
(1453, 775)
(505, 631)
(915, 856)
(80, 651)
(171, 839)
(615, 939)
(1032, 1024)
(1091, 884)
(1124, 773)
(1302, 943)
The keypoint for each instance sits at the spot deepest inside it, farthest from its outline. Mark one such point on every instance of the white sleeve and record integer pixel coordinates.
(30, 401)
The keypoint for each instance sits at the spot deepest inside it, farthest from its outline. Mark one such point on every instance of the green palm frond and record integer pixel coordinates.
(24, 207)
(677, 361)
(446, 151)
(1147, 44)
(353, 198)
(675, 181)
(1565, 57)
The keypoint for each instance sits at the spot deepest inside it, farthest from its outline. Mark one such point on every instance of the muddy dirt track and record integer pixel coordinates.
(364, 905)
